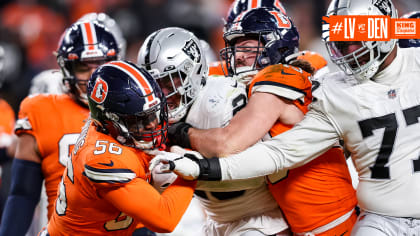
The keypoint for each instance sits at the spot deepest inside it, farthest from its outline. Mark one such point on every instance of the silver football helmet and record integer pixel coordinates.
(112, 26)
(176, 59)
(361, 58)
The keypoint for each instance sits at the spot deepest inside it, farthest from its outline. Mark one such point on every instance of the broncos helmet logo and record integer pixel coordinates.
(100, 91)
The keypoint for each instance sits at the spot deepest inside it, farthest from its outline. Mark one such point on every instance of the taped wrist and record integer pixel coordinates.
(178, 134)
(209, 167)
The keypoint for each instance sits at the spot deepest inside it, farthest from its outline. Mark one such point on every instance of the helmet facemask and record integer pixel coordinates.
(145, 130)
(361, 58)
(176, 60)
(237, 65)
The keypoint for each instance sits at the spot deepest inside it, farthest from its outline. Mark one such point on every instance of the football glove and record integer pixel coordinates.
(189, 166)
(178, 134)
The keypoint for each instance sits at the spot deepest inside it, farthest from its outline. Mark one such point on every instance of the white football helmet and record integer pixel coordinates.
(175, 58)
(112, 26)
(361, 58)
(48, 81)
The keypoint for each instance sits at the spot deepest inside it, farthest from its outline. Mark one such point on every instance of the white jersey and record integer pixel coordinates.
(48, 81)
(215, 106)
(379, 123)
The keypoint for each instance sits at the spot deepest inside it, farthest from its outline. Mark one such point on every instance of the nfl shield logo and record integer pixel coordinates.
(392, 94)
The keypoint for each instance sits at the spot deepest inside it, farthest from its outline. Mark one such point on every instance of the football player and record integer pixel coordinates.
(51, 81)
(7, 122)
(225, 204)
(104, 189)
(236, 8)
(265, 40)
(373, 104)
(49, 125)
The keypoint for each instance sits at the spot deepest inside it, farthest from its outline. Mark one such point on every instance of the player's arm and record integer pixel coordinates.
(25, 189)
(308, 139)
(159, 213)
(247, 127)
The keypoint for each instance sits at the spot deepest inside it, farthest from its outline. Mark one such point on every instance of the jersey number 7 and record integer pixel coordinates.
(389, 122)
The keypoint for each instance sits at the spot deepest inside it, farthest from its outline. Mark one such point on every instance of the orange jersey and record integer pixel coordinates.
(7, 118)
(55, 121)
(217, 68)
(320, 191)
(105, 191)
(285, 81)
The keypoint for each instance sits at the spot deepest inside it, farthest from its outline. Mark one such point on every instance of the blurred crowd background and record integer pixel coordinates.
(30, 29)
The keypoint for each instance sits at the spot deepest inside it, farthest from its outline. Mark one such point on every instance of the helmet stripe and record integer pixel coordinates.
(89, 35)
(278, 5)
(253, 4)
(142, 82)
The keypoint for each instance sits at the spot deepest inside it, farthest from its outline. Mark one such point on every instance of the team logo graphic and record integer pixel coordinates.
(99, 91)
(384, 6)
(192, 50)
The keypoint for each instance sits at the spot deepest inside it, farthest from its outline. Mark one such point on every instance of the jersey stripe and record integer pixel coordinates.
(109, 175)
(142, 82)
(272, 83)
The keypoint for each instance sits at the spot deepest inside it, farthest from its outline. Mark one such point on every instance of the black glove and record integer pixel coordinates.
(178, 134)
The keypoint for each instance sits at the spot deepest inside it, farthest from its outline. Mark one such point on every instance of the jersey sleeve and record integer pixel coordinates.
(280, 153)
(315, 59)
(113, 170)
(159, 213)
(28, 112)
(284, 81)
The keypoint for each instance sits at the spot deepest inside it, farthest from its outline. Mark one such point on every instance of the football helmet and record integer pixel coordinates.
(362, 58)
(112, 26)
(410, 43)
(239, 6)
(277, 38)
(127, 103)
(175, 57)
(47, 81)
(87, 43)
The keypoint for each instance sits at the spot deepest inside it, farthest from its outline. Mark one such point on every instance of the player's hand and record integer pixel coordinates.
(162, 180)
(186, 166)
(161, 156)
(178, 134)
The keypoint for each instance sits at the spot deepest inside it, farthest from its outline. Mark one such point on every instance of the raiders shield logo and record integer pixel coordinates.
(192, 50)
(100, 91)
(384, 6)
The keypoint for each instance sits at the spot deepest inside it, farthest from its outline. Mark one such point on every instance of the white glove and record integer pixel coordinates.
(185, 167)
(181, 151)
(162, 180)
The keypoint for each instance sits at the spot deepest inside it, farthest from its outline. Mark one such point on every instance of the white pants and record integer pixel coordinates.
(269, 223)
(371, 224)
